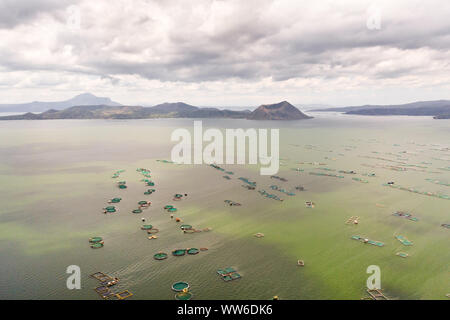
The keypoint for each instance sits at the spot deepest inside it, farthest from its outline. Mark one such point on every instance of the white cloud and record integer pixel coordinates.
(225, 52)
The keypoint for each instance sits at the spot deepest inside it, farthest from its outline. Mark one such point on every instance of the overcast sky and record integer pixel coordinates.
(225, 53)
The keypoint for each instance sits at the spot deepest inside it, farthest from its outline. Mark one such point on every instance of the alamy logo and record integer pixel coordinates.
(374, 281)
(219, 150)
(373, 21)
(74, 280)
(73, 18)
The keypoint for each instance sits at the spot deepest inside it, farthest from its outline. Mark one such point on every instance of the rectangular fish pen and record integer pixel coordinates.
(377, 294)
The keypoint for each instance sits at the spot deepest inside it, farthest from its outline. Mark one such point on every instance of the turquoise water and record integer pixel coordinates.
(55, 176)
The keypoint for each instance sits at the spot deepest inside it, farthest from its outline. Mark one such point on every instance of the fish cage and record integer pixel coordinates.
(180, 286)
(179, 252)
(160, 256)
(193, 251)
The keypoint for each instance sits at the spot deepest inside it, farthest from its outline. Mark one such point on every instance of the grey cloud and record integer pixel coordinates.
(250, 45)
(16, 12)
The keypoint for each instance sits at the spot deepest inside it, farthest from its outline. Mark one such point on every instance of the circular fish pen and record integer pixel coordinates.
(122, 184)
(180, 286)
(168, 206)
(95, 239)
(146, 227)
(179, 252)
(137, 211)
(160, 256)
(186, 227)
(97, 245)
(109, 209)
(193, 251)
(184, 296)
(115, 200)
(172, 209)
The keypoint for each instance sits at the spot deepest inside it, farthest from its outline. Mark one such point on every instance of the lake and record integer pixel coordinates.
(56, 176)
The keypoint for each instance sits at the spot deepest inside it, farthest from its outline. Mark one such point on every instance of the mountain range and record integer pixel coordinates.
(89, 106)
(279, 111)
(439, 109)
(83, 99)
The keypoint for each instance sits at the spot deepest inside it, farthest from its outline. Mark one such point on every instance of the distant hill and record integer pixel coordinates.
(81, 112)
(442, 116)
(38, 106)
(420, 108)
(166, 107)
(130, 112)
(278, 111)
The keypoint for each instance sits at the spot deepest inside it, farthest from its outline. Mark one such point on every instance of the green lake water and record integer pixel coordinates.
(55, 178)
